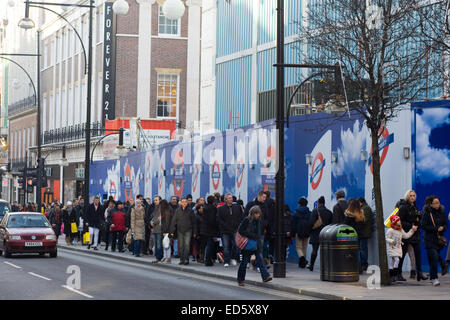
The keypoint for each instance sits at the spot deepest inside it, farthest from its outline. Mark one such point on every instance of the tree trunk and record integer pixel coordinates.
(382, 255)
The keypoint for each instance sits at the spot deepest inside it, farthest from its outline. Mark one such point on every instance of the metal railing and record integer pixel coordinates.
(22, 105)
(18, 164)
(71, 133)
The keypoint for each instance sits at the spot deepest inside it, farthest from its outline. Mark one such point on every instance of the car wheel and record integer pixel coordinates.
(53, 254)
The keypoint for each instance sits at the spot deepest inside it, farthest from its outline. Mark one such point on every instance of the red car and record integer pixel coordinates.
(27, 232)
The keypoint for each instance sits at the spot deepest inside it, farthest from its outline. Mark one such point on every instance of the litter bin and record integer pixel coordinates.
(339, 254)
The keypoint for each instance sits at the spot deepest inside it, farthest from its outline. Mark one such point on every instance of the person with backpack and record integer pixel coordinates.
(302, 216)
(320, 217)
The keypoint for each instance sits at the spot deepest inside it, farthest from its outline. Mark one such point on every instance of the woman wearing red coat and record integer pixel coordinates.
(118, 229)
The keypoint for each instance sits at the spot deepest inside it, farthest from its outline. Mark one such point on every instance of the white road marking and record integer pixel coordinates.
(13, 265)
(39, 276)
(77, 291)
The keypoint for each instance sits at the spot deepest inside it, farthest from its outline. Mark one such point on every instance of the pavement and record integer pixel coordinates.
(298, 281)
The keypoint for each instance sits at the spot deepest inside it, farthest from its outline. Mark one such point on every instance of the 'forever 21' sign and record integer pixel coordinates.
(108, 65)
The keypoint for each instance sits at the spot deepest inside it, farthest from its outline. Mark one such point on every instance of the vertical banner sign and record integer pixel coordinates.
(108, 65)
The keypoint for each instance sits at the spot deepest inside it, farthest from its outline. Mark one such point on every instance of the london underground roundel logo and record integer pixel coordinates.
(215, 175)
(113, 190)
(317, 171)
(383, 145)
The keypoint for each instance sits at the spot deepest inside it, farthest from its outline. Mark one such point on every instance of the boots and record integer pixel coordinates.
(398, 274)
(302, 262)
(444, 267)
(420, 276)
(313, 260)
(392, 275)
(266, 261)
(68, 240)
(413, 274)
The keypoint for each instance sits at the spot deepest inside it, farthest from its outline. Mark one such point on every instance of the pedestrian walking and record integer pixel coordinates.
(340, 207)
(155, 224)
(288, 230)
(69, 218)
(365, 234)
(55, 218)
(250, 228)
(229, 218)
(434, 224)
(111, 208)
(138, 226)
(117, 226)
(394, 237)
(410, 216)
(93, 219)
(210, 230)
(320, 217)
(184, 224)
(174, 204)
(166, 214)
(302, 217)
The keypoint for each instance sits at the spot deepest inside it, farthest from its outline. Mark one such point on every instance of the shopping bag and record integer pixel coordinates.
(166, 241)
(73, 227)
(128, 238)
(387, 222)
(86, 238)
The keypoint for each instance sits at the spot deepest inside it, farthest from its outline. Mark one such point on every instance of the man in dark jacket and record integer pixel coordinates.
(56, 219)
(93, 219)
(210, 229)
(148, 231)
(302, 216)
(229, 218)
(365, 234)
(185, 224)
(340, 207)
(327, 217)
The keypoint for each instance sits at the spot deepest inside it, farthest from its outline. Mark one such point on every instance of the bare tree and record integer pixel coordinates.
(386, 58)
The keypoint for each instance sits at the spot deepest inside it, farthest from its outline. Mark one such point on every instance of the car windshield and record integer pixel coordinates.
(28, 221)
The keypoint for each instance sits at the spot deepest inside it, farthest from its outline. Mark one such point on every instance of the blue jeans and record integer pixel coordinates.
(258, 263)
(210, 251)
(175, 247)
(363, 253)
(229, 247)
(137, 247)
(184, 243)
(433, 258)
(158, 246)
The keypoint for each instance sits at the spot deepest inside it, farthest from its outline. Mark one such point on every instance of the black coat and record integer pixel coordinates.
(327, 218)
(229, 218)
(264, 216)
(409, 216)
(209, 226)
(431, 231)
(56, 220)
(183, 221)
(69, 217)
(95, 218)
(339, 211)
(301, 222)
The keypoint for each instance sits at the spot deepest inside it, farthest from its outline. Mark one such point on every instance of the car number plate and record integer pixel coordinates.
(33, 244)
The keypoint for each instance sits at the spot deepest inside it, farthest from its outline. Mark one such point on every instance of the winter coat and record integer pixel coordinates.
(394, 241)
(229, 218)
(156, 220)
(94, 217)
(409, 216)
(138, 223)
(288, 226)
(251, 230)
(166, 217)
(352, 220)
(271, 215)
(327, 218)
(183, 221)
(209, 226)
(302, 216)
(339, 211)
(55, 219)
(69, 217)
(117, 218)
(366, 228)
(431, 232)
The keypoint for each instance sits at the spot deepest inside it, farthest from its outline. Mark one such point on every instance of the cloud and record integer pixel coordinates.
(432, 165)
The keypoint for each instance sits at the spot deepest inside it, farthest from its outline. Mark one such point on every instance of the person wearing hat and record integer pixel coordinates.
(394, 238)
(69, 216)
